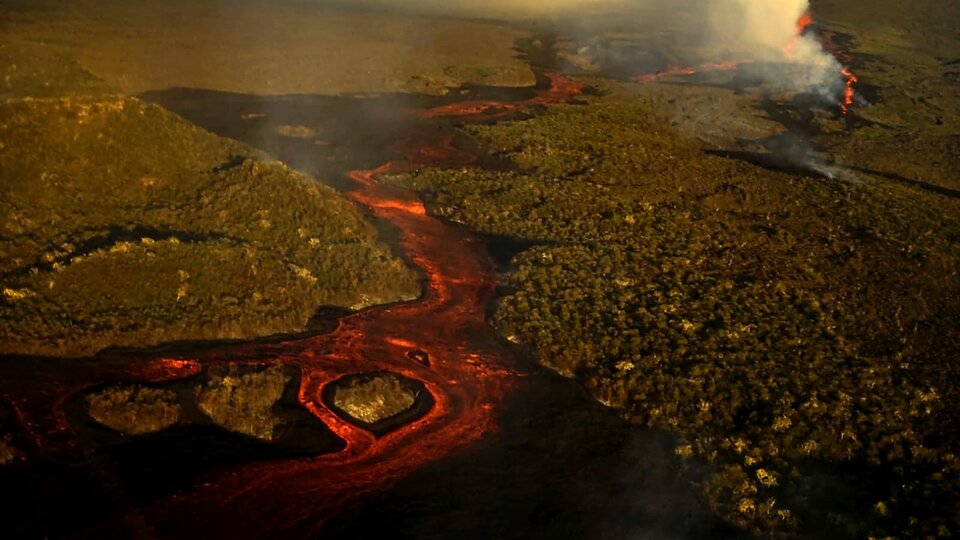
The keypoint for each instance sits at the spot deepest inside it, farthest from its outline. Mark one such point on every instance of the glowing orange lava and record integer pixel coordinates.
(466, 377)
(850, 80)
(803, 24)
(673, 71)
(466, 380)
(561, 89)
(848, 90)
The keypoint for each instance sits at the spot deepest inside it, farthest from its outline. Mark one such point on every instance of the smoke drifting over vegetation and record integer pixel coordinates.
(774, 31)
(767, 32)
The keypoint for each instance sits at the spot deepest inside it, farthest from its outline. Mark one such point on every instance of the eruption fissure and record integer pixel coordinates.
(798, 46)
(848, 90)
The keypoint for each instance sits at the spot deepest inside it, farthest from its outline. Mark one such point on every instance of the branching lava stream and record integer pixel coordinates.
(467, 373)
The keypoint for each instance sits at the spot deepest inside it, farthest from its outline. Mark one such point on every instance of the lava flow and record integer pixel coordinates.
(674, 70)
(850, 80)
(467, 373)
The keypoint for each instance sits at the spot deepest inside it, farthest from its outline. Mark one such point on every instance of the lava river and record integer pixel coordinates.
(467, 374)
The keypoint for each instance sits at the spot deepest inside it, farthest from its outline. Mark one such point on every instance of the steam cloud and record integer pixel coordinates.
(771, 31)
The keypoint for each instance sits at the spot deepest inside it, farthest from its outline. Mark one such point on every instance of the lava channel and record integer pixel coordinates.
(467, 376)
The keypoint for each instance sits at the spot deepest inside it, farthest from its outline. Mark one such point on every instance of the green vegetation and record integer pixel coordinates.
(373, 399)
(123, 224)
(244, 402)
(134, 409)
(783, 326)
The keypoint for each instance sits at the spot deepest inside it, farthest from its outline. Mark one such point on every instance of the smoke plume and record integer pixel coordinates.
(770, 34)
(774, 32)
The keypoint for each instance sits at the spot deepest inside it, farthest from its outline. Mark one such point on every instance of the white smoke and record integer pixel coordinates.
(764, 25)
(763, 32)
(767, 31)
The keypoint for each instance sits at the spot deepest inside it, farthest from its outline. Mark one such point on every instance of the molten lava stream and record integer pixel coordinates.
(673, 71)
(466, 379)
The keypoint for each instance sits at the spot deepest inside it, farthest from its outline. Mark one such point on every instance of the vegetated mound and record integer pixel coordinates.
(370, 399)
(800, 334)
(134, 409)
(201, 413)
(123, 224)
(244, 402)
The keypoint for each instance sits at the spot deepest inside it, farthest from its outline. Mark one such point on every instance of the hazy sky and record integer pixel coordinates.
(759, 30)
(483, 8)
